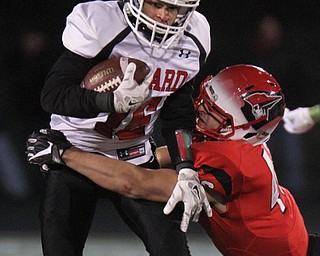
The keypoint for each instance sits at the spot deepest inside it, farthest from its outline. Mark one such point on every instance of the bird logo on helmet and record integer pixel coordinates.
(261, 105)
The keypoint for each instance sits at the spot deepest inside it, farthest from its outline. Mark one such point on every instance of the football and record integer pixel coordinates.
(107, 75)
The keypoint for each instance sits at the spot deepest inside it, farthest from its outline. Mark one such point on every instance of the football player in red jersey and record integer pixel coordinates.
(237, 111)
(174, 40)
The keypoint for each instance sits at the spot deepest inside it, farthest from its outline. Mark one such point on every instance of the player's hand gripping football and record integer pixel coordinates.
(298, 120)
(45, 148)
(188, 190)
(130, 95)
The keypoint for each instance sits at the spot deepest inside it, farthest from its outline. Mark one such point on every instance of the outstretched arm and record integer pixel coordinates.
(122, 177)
(50, 148)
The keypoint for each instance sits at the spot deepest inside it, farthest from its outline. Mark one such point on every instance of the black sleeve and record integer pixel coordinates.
(177, 113)
(62, 93)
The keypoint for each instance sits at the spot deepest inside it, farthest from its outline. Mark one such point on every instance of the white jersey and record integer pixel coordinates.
(93, 25)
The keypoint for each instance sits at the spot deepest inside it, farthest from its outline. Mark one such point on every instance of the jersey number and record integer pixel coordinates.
(275, 197)
(129, 125)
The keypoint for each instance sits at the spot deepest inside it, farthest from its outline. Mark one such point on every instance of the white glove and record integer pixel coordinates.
(298, 120)
(188, 190)
(130, 95)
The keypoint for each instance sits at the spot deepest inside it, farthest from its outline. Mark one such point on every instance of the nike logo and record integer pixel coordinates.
(44, 152)
(196, 191)
(132, 103)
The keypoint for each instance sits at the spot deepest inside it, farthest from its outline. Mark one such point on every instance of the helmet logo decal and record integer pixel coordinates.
(261, 103)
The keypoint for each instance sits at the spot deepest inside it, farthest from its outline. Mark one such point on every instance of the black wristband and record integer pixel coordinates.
(104, 102)
(184, 164)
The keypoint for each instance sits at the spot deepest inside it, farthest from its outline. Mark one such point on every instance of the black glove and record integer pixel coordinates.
(45, 148)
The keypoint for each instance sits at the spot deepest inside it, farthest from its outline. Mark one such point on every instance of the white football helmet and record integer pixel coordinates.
(247, 99)
(155, 33)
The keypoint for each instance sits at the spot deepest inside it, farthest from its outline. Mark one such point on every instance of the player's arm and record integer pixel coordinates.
(49, 149)
(178, 114)
(128, 179)
(122, 177)
(62, 93)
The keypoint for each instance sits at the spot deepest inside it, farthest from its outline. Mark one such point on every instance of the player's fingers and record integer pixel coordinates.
(31, 141)
(207, 207)
(44, 131)
(185, 222)
(130, 70)
(196, 215)
(171, 204)
(29, 157)
(32, 158)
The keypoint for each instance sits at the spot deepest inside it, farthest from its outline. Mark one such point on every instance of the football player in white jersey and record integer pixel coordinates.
(174, 40)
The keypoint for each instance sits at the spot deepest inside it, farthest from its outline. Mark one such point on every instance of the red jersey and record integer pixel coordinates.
(262, 217)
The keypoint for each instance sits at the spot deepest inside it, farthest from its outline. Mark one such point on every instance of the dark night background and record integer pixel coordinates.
(287, 47)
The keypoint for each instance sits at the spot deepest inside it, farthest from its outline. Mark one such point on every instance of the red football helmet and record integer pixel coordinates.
(247, 99)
